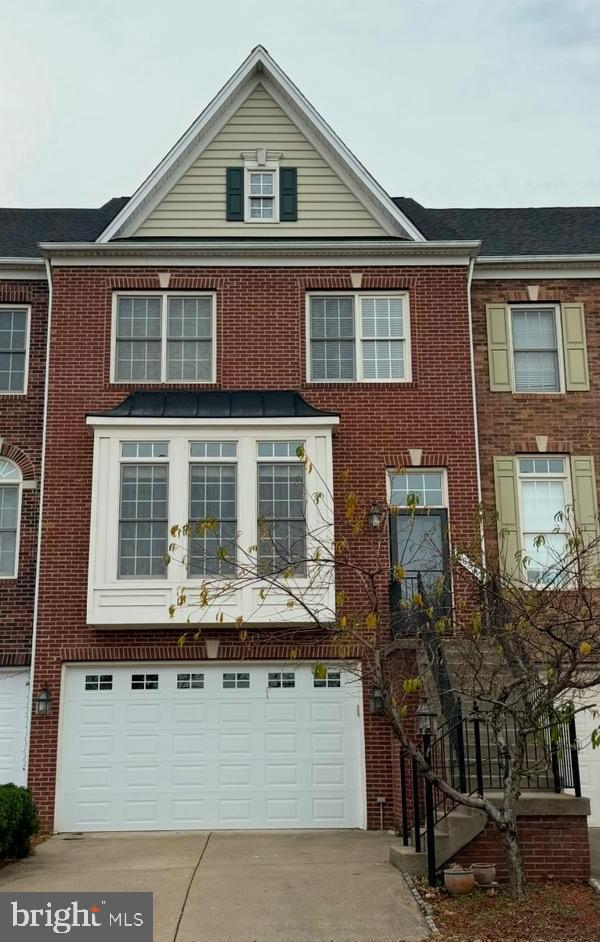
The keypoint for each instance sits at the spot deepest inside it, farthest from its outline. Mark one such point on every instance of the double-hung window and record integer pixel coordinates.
(10, 494)
(143, 509)
(544, 490)
(164, 338)
(359, 337)
(419, 543)
(213, 508)
(536, 349)
(261, 197)
(14, 330)
(282, 526)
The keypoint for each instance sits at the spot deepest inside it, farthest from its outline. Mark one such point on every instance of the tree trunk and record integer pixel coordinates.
(515, 863)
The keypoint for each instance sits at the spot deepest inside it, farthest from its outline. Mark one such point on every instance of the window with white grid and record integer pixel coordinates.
(545, 487)
(262, 195)
(281, 510)
(13, 349)
(535, 347)
(213, 519)
(356, 337)
(143, 515)
(10, 484)
(164, 338)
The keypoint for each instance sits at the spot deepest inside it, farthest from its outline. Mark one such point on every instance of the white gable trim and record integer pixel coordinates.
(259, 67)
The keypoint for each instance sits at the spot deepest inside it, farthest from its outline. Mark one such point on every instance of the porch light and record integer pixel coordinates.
(43, 702)
(425, 718)
(376, 701)
(375, 516)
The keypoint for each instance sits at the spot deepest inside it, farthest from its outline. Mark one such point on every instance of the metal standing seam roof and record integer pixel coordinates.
(214, 404)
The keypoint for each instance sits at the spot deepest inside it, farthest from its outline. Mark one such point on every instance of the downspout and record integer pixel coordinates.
(38, 561)
(475, 418)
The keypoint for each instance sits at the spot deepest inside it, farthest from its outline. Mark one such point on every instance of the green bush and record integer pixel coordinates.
(18, 821)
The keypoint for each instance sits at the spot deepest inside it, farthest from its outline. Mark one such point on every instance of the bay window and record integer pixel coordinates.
(239, 493)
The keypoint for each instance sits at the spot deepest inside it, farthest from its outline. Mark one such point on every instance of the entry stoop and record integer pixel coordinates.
(455, 831)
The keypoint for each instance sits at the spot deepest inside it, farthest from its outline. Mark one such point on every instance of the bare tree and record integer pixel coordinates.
(515, 639)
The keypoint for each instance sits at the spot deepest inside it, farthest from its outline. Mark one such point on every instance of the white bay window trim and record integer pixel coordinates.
(360, 338)
(146, 601)
(164, 337)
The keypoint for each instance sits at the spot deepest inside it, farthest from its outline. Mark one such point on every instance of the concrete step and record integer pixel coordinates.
(456, 830)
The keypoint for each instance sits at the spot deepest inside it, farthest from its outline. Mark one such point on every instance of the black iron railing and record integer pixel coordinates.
(480, 766)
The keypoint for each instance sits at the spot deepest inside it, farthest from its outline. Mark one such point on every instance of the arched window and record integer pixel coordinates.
(10, 506)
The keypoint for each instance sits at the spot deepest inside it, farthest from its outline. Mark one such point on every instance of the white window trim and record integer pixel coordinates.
(254, 166)
(559, 350)
(358, 338)
(418, 469)
(27, 309)
(19, 485)
(113, 600)
(163, 381)
(541, 476)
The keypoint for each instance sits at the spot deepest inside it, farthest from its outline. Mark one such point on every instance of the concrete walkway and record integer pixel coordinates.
(231, 886)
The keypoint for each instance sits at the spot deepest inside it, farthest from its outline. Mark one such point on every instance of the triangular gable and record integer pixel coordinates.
(184, 196)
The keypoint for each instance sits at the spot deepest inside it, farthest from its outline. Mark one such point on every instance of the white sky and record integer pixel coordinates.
(456, 103)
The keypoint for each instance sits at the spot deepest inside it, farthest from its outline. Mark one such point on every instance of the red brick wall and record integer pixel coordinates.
(553, 848)
(21, 420)
(509, 422)
(260, 344)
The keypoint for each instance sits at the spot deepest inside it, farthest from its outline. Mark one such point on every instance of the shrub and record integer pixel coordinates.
(18, 821)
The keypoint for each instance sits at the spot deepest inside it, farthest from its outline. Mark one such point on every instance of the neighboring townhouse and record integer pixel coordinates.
(258, 291)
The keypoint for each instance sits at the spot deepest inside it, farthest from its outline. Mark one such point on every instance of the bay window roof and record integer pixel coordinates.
(214, 404)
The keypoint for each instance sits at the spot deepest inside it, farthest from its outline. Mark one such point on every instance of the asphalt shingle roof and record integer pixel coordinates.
(22, 229)
(553, 230)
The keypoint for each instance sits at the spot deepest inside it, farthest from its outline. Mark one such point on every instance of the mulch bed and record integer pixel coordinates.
(551, 912)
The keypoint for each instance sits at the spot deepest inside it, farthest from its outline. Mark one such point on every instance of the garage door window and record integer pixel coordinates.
(333, 679)
(98, 682)
(282, 679)
(236, 681)
(190, 681)
(144, 681)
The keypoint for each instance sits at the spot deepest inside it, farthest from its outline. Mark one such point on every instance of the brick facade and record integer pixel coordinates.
(553, 848)
(509, 422)
(21, 420)
(260, 344)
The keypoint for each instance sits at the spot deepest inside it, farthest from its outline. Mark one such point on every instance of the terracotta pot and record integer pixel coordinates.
(459, 882)
(484, 873)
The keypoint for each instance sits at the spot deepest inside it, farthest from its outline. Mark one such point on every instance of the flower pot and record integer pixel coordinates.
(459, 882)
(484, 873)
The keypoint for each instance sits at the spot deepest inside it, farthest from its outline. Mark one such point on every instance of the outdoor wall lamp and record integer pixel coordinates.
(376, 701)
(43, 702)
(425, 718)
(375, 516)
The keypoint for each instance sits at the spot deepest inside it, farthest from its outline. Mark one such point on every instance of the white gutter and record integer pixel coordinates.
(12, 261)
(475, 417)
(537, 259)
(38, 561)
(261, 247)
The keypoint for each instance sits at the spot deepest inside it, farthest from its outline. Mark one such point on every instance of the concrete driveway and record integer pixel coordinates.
(239, 886)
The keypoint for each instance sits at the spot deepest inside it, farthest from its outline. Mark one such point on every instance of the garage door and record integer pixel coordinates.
(589, 759)
(14, 700)
(147, 747)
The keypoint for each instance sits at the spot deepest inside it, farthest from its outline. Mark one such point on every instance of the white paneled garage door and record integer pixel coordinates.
(14, 700)
(157, 746)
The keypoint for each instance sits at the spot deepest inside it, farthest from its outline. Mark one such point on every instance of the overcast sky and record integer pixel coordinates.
(456, 103)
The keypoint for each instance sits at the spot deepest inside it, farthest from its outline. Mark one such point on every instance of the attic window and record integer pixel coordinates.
(261, 186)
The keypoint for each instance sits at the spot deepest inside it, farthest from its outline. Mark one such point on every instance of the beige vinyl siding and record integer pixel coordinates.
(196, 204)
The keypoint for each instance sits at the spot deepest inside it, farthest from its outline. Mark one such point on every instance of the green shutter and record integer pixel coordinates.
(585, 506)
(288, 194)
(507, 509)
(498, 347)
(574, 347)
(235, 194)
